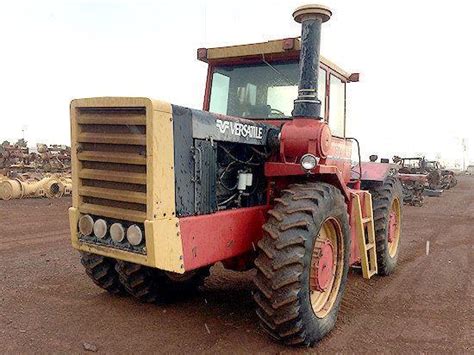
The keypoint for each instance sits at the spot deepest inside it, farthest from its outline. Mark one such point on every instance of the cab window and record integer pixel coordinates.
(261, 90)
(219, 95)
(322, 90)
(337, 105)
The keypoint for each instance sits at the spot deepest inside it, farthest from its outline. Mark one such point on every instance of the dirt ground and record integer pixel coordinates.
(48, 304)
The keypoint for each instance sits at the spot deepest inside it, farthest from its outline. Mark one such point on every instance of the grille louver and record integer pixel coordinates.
(112, 162)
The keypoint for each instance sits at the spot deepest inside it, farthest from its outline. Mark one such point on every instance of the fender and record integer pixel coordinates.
(374, 172)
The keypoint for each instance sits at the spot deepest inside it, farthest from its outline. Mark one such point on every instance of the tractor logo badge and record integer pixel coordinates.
(239, 129)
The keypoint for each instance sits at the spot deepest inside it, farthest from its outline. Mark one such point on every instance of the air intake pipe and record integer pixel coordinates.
(311, 17)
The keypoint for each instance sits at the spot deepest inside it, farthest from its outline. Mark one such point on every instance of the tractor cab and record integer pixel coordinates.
(260, 81)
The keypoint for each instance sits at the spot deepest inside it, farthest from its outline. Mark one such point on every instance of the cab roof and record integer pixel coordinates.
(287, 48)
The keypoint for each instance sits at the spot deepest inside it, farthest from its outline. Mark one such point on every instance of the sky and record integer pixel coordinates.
(415, 60)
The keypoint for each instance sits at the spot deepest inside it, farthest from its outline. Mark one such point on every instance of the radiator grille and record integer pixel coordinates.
(112, 162)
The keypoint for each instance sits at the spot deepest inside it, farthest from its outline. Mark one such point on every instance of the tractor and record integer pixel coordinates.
(262, 177)
(438, 177)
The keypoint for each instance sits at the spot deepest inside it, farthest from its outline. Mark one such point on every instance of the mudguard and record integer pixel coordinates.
(374, 172)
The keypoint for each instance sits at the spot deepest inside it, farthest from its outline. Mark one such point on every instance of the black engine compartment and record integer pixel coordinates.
(219, 161)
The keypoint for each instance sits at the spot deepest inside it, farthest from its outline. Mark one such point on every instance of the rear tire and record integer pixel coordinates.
(289, 306)
(386, 201)
(150, 285)
(101, 270)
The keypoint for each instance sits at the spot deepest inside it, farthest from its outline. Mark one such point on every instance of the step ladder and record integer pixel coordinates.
(365, 232)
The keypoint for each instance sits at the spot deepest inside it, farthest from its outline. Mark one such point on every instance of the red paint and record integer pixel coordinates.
(339, 156)
(288, 44)
(229, 235)
(324, 266)
(304, 135)
(202, 54)
(274, 122)
(413, 177)
(323, 173)
(374, 171)
(284, 169)
(207, 92)
(221, 235)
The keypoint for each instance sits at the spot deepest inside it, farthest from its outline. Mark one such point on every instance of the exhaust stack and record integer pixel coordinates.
(311, 17)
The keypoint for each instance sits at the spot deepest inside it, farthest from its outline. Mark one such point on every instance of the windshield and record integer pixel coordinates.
(261, 90)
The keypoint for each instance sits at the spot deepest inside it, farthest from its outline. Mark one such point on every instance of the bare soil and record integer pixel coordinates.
(48, 304)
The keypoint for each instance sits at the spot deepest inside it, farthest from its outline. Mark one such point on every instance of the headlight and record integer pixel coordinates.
(308, 161)
(86, 225)
(100, 228)
(134, 235)
(117, 232)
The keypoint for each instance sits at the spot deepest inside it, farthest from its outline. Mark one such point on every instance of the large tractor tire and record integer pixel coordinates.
(302, 264)
(386, 203)
(102, 271)
(151, 285)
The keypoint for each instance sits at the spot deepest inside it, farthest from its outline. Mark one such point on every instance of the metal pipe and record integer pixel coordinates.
(307, 105)
(51, 187)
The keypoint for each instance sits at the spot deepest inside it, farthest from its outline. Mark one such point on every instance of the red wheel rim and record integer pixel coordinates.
(326, 267)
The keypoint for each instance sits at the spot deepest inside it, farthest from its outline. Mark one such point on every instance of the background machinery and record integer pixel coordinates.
(423, 177)
(162, 192)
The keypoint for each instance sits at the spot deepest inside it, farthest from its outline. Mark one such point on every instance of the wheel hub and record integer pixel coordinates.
(323, 262)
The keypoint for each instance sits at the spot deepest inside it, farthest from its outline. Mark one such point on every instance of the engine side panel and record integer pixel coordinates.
(210, 152)
(340, 156)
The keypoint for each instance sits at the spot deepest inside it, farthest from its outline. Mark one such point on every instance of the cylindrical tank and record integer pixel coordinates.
(53, 187)
(67, 182)
(11, 189)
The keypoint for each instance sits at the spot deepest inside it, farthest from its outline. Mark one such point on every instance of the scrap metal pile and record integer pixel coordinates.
(45, 172)
(49, 159)
(422, 177)
(413, 186)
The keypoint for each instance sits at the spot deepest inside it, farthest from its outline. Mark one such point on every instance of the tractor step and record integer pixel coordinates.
(365, 232)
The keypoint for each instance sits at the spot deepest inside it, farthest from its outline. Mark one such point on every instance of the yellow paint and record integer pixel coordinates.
(265, 48)
(368, 252)
(162, 233)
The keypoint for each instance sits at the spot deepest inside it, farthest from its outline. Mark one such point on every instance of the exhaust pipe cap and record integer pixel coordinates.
(311, 11)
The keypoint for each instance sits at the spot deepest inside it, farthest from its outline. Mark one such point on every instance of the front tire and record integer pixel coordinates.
(102, 272)
(150, 285)
(303, 263)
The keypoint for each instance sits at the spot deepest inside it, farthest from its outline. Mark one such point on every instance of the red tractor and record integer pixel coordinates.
(256, 178)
